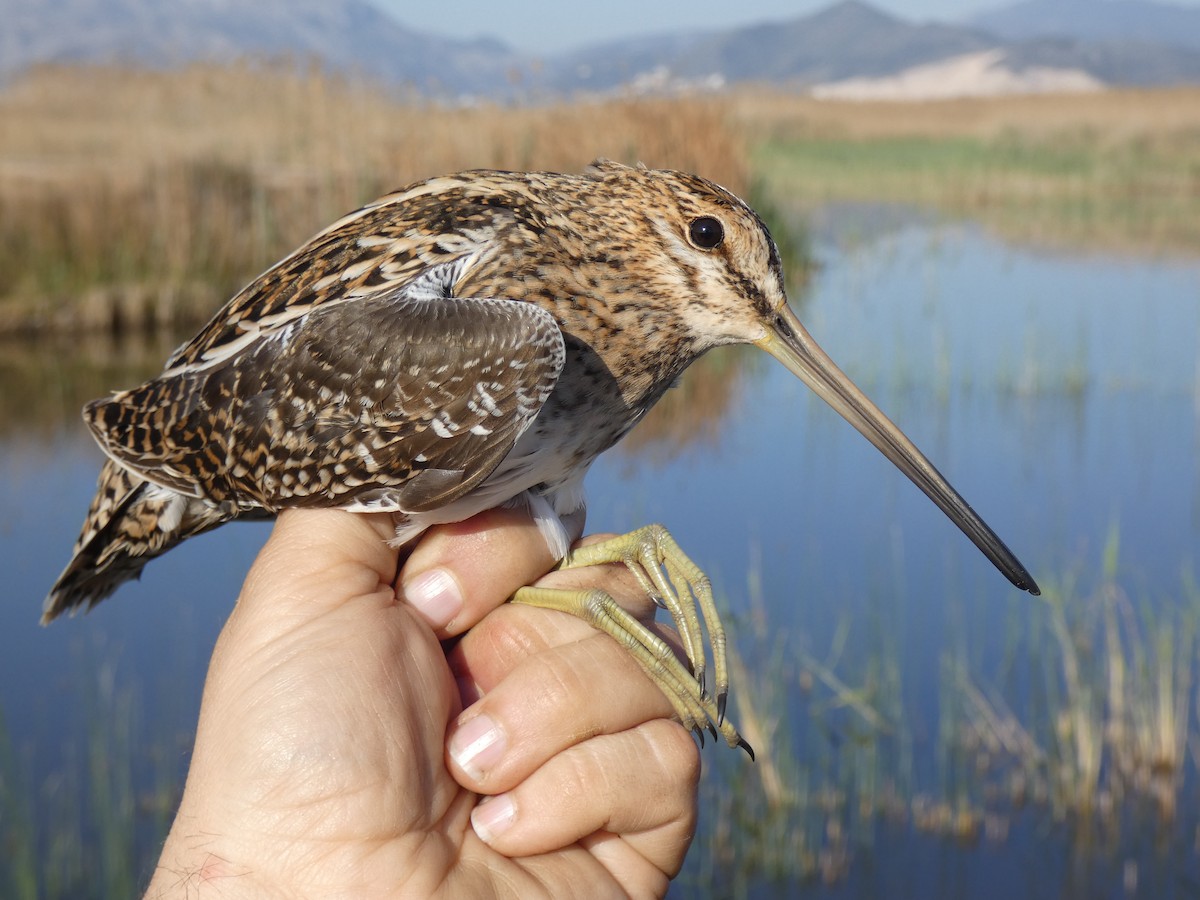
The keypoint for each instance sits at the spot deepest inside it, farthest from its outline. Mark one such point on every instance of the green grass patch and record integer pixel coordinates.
(1074, 190)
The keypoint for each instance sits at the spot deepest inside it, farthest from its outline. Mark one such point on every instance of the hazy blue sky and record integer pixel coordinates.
(545, 26)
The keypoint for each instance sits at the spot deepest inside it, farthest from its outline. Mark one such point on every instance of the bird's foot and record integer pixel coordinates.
(676, 584)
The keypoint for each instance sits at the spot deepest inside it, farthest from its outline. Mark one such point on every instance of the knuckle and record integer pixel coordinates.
(559, 689)
(506, 630)
(675, 753)
(576, 781)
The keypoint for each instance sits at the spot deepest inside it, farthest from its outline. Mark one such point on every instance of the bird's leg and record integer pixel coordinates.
(678, 585)
(680, 589)
(695, 710)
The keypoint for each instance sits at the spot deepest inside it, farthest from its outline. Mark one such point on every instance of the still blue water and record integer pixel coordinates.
(1060, 394)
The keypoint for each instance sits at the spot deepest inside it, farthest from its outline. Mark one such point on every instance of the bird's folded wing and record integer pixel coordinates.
(399, 403)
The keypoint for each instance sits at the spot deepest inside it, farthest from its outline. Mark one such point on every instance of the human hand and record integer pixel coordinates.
(322, 765)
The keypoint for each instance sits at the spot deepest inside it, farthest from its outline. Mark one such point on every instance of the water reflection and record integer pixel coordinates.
(693, 415)
(1060, 396)
(45, 381)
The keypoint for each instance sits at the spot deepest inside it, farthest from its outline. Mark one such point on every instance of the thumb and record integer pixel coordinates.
(314, 562)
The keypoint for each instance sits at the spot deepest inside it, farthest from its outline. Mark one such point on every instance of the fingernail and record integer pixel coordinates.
(435, 595)
(493, 817)
(477, 745)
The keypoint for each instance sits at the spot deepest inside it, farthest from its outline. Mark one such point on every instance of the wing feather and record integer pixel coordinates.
(403, 403)
(369, 253)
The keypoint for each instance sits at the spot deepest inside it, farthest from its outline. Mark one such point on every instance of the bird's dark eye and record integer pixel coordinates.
(706, 233)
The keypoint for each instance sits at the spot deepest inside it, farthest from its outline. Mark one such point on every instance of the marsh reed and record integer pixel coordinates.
(1115, 686)
(137, 200)
(1112, 172)
(133, 199)
(1094, 744)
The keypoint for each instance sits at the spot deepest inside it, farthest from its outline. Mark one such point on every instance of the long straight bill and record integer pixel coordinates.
(790, 343)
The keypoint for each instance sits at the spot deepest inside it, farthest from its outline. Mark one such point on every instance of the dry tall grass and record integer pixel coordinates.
(132, 197)
(1115, 171)
(1112, 117)
(1116, 729)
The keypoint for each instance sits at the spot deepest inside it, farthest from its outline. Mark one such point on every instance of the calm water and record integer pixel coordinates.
(1059, 394)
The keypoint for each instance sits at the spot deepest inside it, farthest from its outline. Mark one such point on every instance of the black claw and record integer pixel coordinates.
(713, 731)
(699, 732)
(659, 601)
(750, 750)
(721, 698)
(700, 677)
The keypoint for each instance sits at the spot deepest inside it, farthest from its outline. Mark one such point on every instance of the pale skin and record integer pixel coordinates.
(333, 757)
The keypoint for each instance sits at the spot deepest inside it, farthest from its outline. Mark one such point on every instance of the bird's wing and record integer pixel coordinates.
(367, 254)
(401, 403)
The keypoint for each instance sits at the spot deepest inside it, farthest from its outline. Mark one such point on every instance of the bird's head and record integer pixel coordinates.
(731, 290)
(711, 257)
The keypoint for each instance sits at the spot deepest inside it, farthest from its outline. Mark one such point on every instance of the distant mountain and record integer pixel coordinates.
(1101, 21)
(847, 39)
(601, 67)
(1128, 63)
(349, 35)
(854, 40)
(987, 73)
(1126, 42)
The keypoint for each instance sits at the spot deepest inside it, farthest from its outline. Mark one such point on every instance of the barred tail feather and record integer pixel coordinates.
(85, 581)
(130, 522)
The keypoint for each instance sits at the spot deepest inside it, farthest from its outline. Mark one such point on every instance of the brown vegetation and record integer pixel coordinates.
(1114, 171)
(143, 198)
(134, 200)
(1112, 117)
